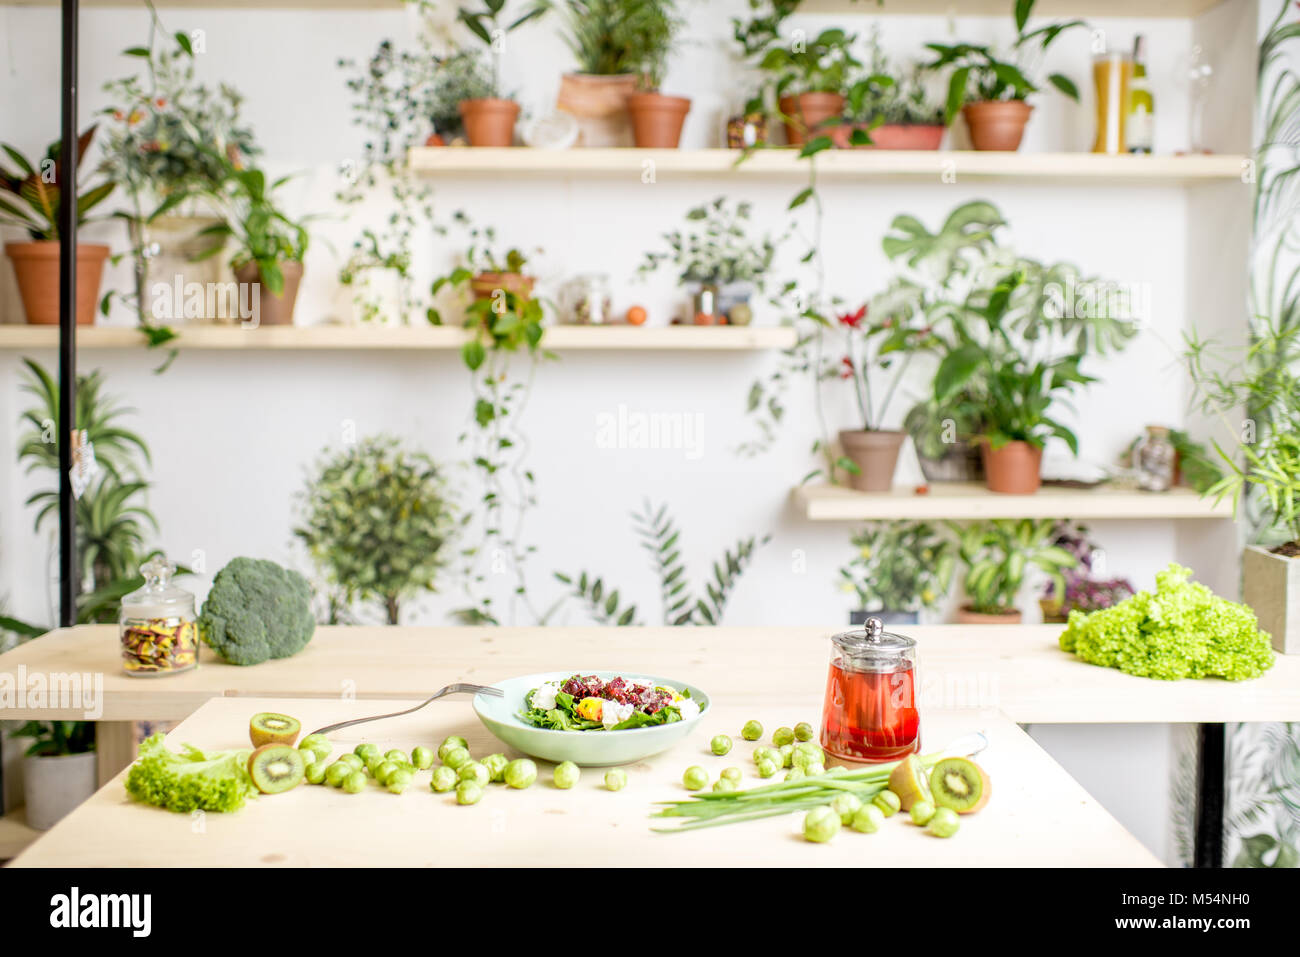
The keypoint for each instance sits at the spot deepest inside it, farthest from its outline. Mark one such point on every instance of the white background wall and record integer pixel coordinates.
(232, 433)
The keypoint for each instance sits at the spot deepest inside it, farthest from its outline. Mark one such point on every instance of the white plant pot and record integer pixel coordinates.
(53, 786)
(1271, 586)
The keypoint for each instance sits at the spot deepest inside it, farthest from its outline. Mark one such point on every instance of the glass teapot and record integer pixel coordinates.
(870, 711)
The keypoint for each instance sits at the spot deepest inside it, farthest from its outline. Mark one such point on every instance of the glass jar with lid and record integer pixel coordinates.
(1156, 458)
(158, 627)
(870, 711)
(587, 300)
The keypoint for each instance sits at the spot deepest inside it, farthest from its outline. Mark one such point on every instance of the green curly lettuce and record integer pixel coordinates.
(1181, 630)
(190, 780)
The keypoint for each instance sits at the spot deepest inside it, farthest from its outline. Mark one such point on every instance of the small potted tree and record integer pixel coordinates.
(991, 92)
(718, 261)
(30, 199)
(996, 555)
(377, 522)
(59, 770)
(811, 81)
(1257, 397)
(490, 120)
(899, 569)
(657, 119)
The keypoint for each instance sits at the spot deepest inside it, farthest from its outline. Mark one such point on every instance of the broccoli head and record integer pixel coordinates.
(255, 611)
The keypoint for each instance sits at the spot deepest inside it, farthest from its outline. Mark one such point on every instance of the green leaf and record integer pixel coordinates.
(1065, 85)
(474, 354)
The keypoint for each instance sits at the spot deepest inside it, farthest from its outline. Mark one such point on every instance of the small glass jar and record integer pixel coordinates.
(870, 712)
(587, 300)
(158, 627)
(1156, 460)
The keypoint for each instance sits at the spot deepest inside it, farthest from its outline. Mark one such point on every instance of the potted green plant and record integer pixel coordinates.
(717, 260)
(457, 78)
(889, 110)
(490, 120)
(657, 118)
(30, 199)
(1082, 592)
(59, 770)
(1262, 472)
(377, 522)
(991, 91)
(612, 41)
(899, 569)
(268, 246)
(487, 268)
(996, 555)
(811, 79)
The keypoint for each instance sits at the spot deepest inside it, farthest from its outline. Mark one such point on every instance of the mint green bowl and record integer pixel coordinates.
(586, 748)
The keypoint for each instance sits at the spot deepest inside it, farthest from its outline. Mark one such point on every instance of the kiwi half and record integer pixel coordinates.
(907, 780)
(267, 727)
(277, 767)
(960, 784)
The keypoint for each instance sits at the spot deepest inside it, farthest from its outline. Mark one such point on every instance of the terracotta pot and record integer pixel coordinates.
(55, 784)
(842, 135)
(1014, 469)
(599, 104)
(486, 283)
(912, 136)
(875, 453)
(489, 121)
(998, 124)
(968, 616)
(36, 265)
(806, 111)
(273, 310)
(657, 119)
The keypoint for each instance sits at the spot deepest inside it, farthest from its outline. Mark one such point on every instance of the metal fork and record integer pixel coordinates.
(450, 689)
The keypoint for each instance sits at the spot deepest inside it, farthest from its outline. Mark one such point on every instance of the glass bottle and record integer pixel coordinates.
(1155, 458)
(157, 625)
(587, 300)
(1139, 119)
(1110, 74)
(870, 711)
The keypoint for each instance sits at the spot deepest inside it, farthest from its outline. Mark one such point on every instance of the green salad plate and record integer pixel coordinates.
(593, 748)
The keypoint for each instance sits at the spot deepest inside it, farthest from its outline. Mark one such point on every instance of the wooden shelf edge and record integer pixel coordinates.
(959, 502)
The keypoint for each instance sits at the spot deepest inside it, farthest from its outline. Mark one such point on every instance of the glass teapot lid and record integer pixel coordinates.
(871, 643)
(159, 598)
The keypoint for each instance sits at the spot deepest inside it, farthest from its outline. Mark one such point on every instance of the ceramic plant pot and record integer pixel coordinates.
(273, 310)
(485, 284)
(875, 453)
(1271, 586)
(53, 786)
(807, 111)
(36, 266)
(962, 462)
(489, 121)
(968, 616)
(1014, 469)
(997, 125)
(657, 119)
(910, 136)
(599, 104)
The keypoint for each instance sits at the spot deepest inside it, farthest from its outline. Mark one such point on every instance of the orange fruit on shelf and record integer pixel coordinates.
(636, 315)
(704, 319)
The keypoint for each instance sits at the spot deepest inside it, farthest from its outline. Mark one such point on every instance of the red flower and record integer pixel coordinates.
(847, 371)
(853, 319)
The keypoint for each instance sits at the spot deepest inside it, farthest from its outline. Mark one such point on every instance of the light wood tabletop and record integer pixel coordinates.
(1017, 669)
(1037, 816)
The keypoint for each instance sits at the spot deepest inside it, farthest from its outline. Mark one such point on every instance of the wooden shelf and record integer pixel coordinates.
(1001, 8)
(310, 338)
(963, 501)
(15, 835)
(886, 165)
(359, 5)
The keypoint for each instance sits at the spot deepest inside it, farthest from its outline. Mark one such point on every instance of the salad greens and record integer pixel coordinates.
(591, 704)
(191, 780)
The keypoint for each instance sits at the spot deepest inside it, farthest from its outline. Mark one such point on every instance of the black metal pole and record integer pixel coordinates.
(68, 321)
(1211, 765)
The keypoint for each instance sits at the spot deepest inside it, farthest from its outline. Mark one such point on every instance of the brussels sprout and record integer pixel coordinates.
(752, 731)
(786, 752)
(944, 823)
(365, 751)
(355, 782)
(868, 819)
(422, 758)
(496, 766)
(455, 757)
(385, 769)
(695, 778)
(803, 759)
(783, 736)
(725, 784)
(352, 760)
(397, 756)
(803, 731)
(731, 774)
(846, 805)
(474, 771)
(794, 774)
(337, 773)
(468, 792)
(615, 779)
(318, 743)
(444, 779)
(813, 770)
(316, 772)
(720, 744)
(922, 812)
(888, 803)
(566, 775)
(399, 780)
(821, 824)
(767, 768)
(520, 773)
(766, 754)
(450, 744)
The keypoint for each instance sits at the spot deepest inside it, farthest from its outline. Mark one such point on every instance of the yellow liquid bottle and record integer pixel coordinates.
(1111, 73)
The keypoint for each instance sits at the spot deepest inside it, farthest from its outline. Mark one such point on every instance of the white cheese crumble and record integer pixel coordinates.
(544, 697)
(688, 708)
(612, 713)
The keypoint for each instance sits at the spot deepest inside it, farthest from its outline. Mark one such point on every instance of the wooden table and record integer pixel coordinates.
(1038, 815)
